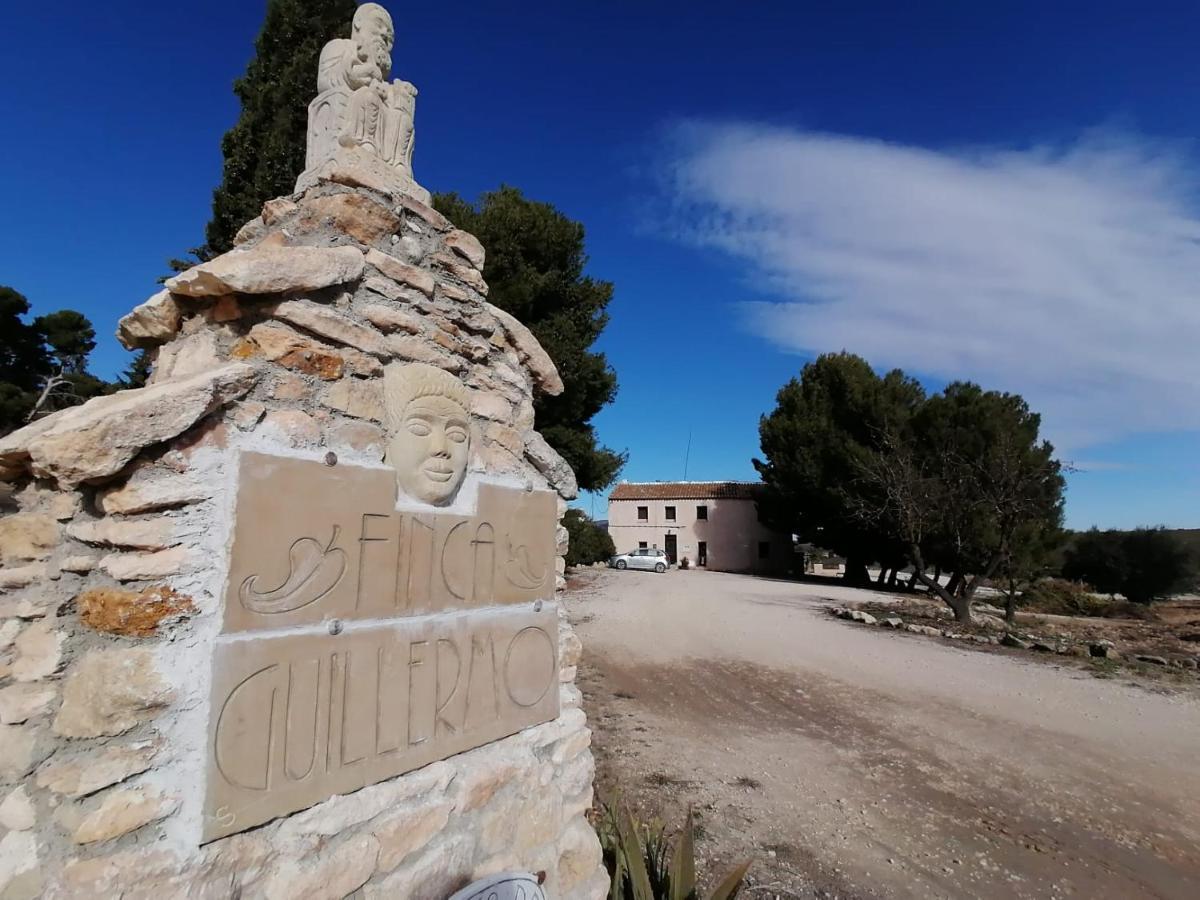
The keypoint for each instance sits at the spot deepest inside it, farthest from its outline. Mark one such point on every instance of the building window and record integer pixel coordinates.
(643, 513)
(701, 512)
(670, 514)
(641, 545)
(764, 549)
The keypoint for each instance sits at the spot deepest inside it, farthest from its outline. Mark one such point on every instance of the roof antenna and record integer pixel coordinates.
(687, 454)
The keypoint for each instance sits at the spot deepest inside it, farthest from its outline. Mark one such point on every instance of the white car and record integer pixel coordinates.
(650, 558)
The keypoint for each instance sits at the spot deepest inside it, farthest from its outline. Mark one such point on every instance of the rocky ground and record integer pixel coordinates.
(852, 761)
(1164, 648)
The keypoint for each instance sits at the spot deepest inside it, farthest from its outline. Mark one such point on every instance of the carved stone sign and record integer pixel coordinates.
(300, 717)
(313, 542)
(440, 643)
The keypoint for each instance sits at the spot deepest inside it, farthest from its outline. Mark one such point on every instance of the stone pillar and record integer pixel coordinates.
(140, 572)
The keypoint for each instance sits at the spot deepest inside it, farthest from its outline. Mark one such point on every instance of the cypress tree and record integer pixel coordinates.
(264, 151)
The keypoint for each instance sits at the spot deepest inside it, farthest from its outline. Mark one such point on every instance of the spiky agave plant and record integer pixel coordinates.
(641, 863)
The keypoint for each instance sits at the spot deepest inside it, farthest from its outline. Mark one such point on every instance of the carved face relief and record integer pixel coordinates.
(429, 438)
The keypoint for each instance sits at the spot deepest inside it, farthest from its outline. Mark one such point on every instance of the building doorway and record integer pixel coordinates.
(702, 554)
(669, 546)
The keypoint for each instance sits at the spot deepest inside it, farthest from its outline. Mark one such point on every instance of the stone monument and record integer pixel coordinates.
(284, 622)
(359, 118)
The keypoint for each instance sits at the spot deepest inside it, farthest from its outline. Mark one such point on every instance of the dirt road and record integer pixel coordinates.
(849, 761)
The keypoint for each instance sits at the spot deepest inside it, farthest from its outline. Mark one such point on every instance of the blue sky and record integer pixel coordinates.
(1001, 192)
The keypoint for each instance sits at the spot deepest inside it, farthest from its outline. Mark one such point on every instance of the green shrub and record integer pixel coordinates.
(643, 867)
(1144, 565)
(1059, 597)
(589, 542)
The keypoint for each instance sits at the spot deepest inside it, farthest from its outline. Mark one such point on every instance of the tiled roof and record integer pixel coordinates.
(686, 490)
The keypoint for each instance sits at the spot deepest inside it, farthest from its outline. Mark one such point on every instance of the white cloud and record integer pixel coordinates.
(1070, 275)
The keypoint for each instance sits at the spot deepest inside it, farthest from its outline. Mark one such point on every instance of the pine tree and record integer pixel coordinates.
(534, 270)
(137, 372)
(43, 363)
(264, 151)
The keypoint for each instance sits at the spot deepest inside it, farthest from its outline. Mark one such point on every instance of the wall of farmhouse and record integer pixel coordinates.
(731, 532)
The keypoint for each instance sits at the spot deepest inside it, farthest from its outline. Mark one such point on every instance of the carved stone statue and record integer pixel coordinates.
(429, 430)
(359, 117)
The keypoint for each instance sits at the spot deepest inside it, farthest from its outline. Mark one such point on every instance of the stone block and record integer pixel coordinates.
(79, 565)
(556, 469)
(146, 566)
(540, 365)
(401, 272)
(21, 576)
(408, 831)
(246, 414)
(337, 871)
(343, 813)
(275, 340)
(356, 397)
(82, 775)
(25, 607)
(152, 323)
(152, 489)
(324, 364)
(102, 436)
(594, 888)
(291, 388)
(360, 437)
(423, 211)
(270, 268)
(450, 265)
(332, 326)
(108, 876)
(580, 855)
(186, 356)
(491, 406)
(467, 246)
(443, 868)
(131, 613)
(16, 811)
(20, 878)
(108, 691)
(20, 702)
(389, 318)
(292, 428)
(211, 434)
(121, 811)
(418, 349)
(39, 651)
(358, 215)
(275, 211)
(571, 649)
(226, 309)
(482, 777)
(135, 534)
(27, 536)
(20, 751)
(361, 364)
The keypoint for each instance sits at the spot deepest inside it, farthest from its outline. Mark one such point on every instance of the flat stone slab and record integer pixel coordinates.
(100, 437)
(299, 717)
(269, 268)
(313, 542)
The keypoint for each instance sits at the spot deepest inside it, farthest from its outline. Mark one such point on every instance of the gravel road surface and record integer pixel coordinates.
(854, 761)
